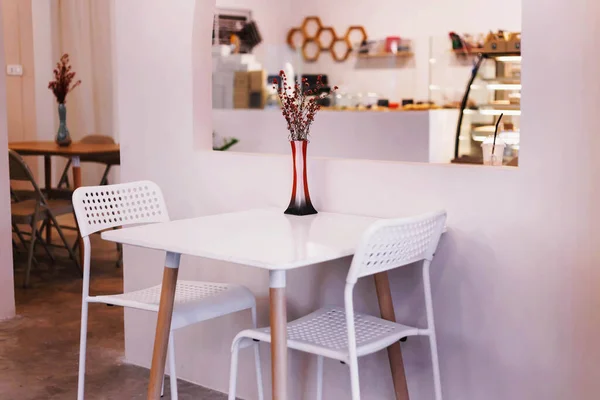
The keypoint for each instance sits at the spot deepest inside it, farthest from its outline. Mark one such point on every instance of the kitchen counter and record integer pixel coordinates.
(414, 136)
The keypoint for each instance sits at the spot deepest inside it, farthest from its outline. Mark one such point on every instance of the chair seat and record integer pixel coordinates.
(22, 211)
(194, 301)
(324, 332)
(110, 159)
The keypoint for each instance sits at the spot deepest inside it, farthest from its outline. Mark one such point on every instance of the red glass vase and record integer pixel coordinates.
(300, 203)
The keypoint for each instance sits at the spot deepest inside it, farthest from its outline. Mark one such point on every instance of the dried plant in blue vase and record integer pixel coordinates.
(61, 86)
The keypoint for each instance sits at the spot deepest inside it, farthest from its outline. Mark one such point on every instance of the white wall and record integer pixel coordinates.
(7, 297)
(45, 57)
(515, 280)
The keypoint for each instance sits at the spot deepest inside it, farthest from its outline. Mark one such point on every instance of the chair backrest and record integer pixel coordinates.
(18, 170)
(103, 207)
(110, 159)
(97, 139)
(393, 243)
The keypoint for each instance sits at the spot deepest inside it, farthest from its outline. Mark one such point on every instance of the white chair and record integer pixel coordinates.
(344, 335)
(104, 207)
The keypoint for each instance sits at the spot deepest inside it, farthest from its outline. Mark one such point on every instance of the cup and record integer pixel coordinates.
(498, 156)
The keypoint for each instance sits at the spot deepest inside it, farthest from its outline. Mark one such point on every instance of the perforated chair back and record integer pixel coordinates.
(103, 207)
(389, 244)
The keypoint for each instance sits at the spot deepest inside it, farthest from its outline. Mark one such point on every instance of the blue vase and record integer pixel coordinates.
(62, 136)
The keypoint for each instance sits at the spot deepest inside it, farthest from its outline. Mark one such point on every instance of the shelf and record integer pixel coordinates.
(502, 80)
(400, 54)
(514, 56)
(504, 86)
(467, 159)
(501, 106)
(508, 110)
(513, 87)
(461, 52)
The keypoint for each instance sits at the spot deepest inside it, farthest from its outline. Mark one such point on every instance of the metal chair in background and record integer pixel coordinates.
(109, 161)
(31, 211)
(15, 197)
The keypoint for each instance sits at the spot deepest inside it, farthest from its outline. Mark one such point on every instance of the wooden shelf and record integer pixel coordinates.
(477, 51)
(400, 54)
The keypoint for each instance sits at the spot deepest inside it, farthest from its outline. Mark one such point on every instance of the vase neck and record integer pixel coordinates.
(298, 146)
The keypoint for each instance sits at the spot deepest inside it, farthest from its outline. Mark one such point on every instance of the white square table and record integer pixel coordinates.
(266, 239)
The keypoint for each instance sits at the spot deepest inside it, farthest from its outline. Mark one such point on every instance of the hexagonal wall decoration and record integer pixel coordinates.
(340, 50)
(326, 37)
(355, 34)
(295, 38)
(313, 38)
(311, 50)
(311, 27)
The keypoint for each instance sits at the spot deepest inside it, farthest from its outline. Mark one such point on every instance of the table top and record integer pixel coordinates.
(264, 238)
(42, 148)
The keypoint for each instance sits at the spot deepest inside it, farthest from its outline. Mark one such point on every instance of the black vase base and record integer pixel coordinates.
(64, 144)
(301, 211)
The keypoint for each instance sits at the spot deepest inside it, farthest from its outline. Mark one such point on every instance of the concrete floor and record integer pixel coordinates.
(39, 348)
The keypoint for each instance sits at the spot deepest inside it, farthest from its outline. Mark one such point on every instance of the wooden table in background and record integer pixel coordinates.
(74, 151)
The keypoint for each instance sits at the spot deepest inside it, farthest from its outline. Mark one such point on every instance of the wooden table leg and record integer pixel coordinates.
(76, 167)
(163, 325)
(278, 317)
(48, 186)
(386, 307)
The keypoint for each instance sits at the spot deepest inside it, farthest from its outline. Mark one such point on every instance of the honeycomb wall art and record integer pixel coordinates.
(312, 38)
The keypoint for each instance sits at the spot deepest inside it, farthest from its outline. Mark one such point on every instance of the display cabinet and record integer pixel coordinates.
(493, 89)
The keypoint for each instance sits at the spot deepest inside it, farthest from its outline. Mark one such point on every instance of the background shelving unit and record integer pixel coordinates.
(498, 94)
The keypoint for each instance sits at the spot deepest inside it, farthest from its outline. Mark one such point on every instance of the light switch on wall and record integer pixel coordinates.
(14, 70)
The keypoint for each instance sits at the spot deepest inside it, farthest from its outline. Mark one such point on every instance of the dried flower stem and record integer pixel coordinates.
(63, 77)
(299, 104)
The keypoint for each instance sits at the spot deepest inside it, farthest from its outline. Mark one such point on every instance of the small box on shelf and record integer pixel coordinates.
(241, 99)
(494, 44)
(513, 44)
(257, 80)
(241, 80)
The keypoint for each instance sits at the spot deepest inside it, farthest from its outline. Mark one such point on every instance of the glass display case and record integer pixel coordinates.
(493, 90)
(482, 85)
